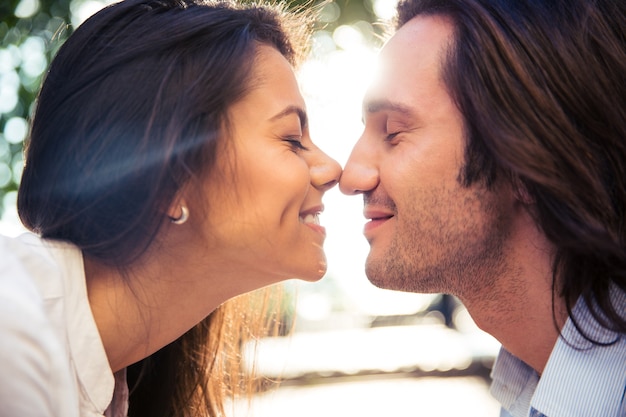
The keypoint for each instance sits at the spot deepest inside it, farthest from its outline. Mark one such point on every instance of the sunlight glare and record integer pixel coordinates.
(333, 86)
(385, 9)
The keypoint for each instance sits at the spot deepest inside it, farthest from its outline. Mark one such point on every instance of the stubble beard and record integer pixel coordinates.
(445, 244)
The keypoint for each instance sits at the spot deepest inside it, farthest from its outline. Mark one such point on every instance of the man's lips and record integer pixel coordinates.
(377, 214)
(376, 217)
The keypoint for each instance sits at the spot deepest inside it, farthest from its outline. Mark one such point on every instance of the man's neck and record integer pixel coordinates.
(525, 327)
(519, 309)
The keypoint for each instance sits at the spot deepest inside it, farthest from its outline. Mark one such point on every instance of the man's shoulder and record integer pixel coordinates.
(583, 378)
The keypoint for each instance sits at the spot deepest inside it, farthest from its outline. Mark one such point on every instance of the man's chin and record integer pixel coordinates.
(376, 273)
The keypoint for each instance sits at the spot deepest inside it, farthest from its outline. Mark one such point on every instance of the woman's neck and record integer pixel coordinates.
(153, 303)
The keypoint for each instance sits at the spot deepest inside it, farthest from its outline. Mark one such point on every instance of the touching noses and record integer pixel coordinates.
(360, 174)
(325, 172)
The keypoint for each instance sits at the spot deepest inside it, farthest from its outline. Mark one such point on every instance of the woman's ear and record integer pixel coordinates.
(178, 212)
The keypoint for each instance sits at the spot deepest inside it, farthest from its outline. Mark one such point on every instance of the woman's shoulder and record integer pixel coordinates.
(29, 258)
(48, 335)
(37, 279)
(17, 286)
(36, 373)
(32, 275)
(31, 246)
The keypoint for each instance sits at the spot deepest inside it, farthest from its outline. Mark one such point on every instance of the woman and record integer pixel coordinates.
(169, 169)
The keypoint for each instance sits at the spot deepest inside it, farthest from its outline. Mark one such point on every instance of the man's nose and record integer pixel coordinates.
(360, 173)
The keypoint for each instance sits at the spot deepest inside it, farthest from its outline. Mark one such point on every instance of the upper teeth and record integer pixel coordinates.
(311, 218)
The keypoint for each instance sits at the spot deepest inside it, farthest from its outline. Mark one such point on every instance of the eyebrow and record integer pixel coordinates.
(376, 106)
(289, 110)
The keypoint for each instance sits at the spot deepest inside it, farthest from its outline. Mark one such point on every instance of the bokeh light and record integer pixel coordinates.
(15, 130)
(27, 8)
(384, 9)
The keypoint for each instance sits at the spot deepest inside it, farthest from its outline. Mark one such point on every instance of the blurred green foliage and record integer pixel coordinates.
(31, 32)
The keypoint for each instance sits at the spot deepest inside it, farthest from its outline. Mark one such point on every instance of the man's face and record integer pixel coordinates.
(427, 232)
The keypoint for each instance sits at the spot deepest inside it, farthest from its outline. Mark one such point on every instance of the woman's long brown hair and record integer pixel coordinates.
(209, 370)
(132, 108)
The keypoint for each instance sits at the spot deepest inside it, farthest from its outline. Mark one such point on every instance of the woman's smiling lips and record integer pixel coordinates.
(376, 218)
(310, 217)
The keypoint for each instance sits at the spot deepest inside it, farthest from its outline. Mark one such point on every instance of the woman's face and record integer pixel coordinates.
(265, 194)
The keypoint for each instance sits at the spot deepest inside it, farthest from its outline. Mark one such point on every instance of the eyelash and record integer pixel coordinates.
(391, 136)
(296, 144)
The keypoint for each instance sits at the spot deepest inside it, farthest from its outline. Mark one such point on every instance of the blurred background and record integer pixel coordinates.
(355, 349)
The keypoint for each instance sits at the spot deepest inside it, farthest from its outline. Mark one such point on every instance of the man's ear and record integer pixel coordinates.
(521, 192)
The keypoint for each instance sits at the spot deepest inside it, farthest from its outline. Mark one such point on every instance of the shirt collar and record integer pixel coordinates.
(580, 378)
(87, 352)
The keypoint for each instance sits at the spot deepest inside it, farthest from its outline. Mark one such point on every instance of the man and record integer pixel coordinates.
(493, 167)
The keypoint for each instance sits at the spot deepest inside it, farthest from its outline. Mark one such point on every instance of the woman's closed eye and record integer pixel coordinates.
(296, 144)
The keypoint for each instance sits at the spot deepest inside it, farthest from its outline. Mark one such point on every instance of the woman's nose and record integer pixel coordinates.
(325, 172)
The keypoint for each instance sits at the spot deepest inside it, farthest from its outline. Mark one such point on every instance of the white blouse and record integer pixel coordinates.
(52, 361)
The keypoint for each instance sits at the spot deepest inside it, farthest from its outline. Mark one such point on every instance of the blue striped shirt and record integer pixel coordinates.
(580, 379)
